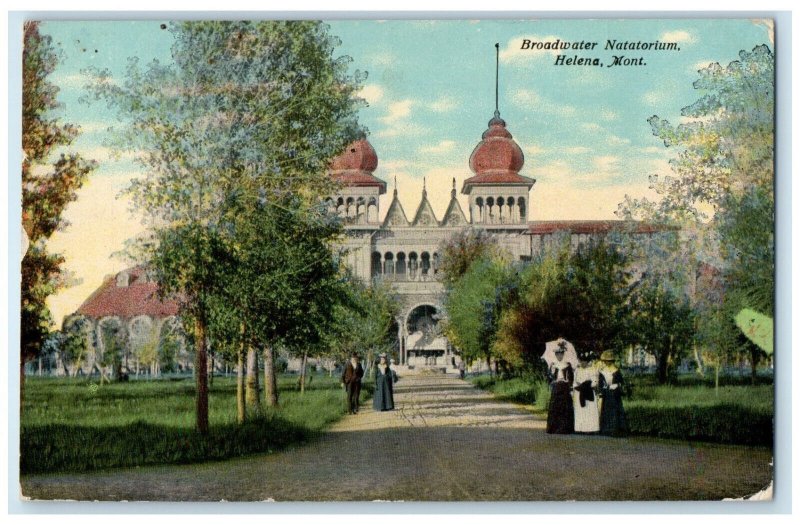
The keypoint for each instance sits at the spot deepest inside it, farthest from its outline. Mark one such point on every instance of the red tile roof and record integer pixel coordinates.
(498, 177)
(359, 178)
(140, 297)
(545, 227)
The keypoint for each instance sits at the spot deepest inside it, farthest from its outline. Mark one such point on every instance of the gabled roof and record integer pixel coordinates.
(128, 294)
(454, 216)
(425, 215)
(396, 216)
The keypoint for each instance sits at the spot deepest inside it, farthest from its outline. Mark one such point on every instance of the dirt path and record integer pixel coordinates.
(447, 441)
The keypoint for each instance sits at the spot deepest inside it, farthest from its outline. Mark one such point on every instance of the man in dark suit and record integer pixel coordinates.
(351, 378)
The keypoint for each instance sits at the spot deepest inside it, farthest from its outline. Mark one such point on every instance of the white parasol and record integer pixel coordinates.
(549, 355)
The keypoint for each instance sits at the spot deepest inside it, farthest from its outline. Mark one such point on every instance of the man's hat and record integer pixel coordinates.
(585, 355)
(354, 354)
(608, 355)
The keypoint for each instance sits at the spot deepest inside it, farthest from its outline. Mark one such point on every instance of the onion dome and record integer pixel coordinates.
(355, 165)
(497, 158)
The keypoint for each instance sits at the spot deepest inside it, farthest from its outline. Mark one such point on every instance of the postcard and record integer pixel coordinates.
(398, 260)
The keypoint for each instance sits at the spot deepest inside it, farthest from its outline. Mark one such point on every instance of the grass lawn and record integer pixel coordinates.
(691, 409)
(77, 425)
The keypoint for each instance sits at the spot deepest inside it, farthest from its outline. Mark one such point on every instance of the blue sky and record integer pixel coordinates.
(430, 89)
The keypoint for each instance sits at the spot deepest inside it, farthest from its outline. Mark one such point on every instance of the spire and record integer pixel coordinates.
(395, 185)
(453, 191)
(497, 81)
(424, 189)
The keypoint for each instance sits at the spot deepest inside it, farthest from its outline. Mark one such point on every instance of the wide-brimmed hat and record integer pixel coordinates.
(608, 355)
(585, 355)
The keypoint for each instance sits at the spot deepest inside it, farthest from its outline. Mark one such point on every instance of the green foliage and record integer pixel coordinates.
(720, 195)
(69, 426)
(235, 137)
(662, 323)
(48, 185)
(527, 390)
(461, 250)
(364, 321)
(581, 296)
(475, 303)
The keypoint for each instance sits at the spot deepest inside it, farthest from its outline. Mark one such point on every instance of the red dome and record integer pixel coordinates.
(359, 155)
(497, 151)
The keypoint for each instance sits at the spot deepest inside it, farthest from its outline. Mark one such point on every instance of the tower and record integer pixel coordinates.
(498, 194)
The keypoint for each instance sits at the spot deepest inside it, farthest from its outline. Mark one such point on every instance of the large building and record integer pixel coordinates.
(403, 249)
(400, 249)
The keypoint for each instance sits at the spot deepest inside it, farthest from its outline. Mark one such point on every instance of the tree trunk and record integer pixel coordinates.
(489, 365)
(753, 365)
(303, 372)
(700, 368)
(240, 401)
(251, 385)
(201, 375)
(270, 381)
(663, 365)
(211, 371)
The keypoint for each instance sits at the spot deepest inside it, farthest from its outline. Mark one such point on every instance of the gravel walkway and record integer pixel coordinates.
(446, 441)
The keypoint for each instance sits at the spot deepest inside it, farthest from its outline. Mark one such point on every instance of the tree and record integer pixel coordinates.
(475, 303)
(581, 296)
(49, 184)
(248, 113)
(721, 192)
(662, 324)
(461, 250)
(75, 344)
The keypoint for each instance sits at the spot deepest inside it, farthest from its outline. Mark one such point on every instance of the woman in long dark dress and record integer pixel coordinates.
(612, 415)
(560, 412)
(385, 378)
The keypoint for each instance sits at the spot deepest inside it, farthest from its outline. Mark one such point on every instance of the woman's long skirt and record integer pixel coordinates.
(612, 415)
(560, 414)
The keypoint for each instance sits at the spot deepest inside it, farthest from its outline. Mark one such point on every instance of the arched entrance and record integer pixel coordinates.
(425, 345)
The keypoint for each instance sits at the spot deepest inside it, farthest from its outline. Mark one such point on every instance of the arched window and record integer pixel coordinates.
(490, 211)
(377, 270)
(388, 263)
(522, 213)
(351, 208)
(361, 210)
(512, 211)
(425, 264)
(400, 265)
(413, 265)
(501, 212)
(481, 213)
(372, 210)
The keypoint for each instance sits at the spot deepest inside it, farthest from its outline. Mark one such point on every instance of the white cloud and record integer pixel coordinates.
(577, 150)
(443, 146)
(382, 58)
(679, 35)
(392, 165)
(372, 93)
(653, 98)
(614, 140)
(607, 114)
(525, 97)
(532, 149)
(605, 163)
(442, 104)
(402, 129)
(652, 149)
(397, 111)
(591, 126)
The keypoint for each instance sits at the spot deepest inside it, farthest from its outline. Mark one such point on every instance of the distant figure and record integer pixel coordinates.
(560, 414)
(385, 378)
(587, 414)
(462, 369)
(612, 415)
(351, 379)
